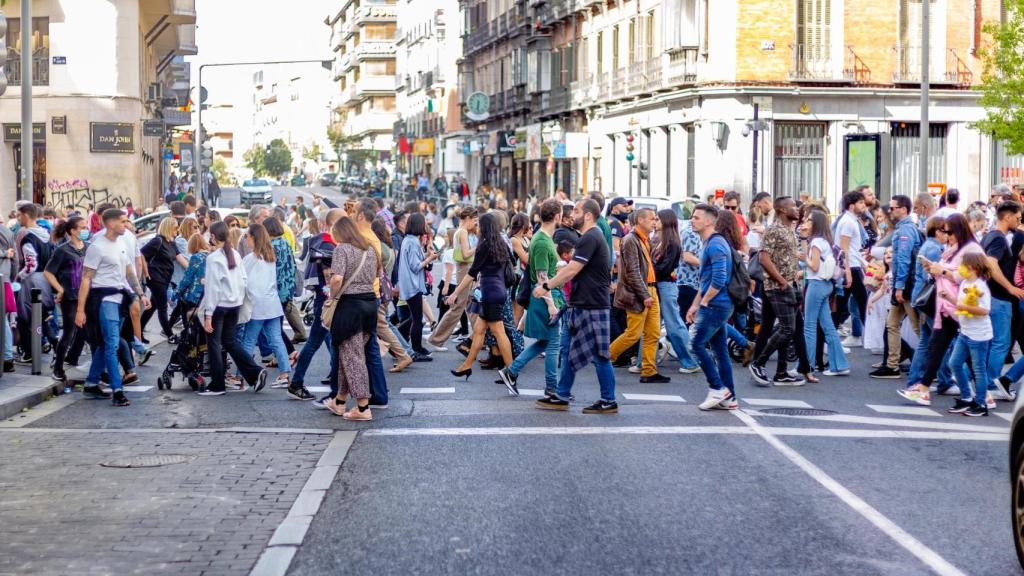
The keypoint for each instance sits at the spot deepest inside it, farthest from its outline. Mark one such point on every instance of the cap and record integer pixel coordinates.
(618, 201)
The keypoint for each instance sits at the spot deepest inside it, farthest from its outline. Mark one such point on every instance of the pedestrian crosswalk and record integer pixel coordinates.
(654, 397)
(904, 410)
(776, 403)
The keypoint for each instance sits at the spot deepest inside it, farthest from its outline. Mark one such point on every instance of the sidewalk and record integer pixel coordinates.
(20, 391)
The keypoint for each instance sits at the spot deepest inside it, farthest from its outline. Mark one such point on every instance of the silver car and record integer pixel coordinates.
(257, 191)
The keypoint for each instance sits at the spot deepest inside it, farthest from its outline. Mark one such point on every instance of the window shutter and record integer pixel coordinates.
(570, 64)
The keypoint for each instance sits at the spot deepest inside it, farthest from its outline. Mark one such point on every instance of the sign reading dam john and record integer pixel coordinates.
(12, 132)
(112, 137)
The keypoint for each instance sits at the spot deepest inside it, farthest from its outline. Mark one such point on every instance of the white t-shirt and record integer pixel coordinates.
(448, 257)
(108, 258)
(131, 246)
(945, 212)
(977, 328)
(826, 262)
(848, 226)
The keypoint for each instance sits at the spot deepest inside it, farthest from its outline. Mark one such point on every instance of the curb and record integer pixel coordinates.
(25, 394)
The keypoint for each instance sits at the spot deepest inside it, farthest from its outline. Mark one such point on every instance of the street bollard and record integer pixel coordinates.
(3, 315)
(37, 332)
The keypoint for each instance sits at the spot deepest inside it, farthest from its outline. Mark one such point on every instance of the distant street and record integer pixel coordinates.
(230, 197)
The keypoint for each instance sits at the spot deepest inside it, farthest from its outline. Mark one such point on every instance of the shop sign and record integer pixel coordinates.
(507, 142)
(519, 153)
(118, 137)
(423, 147)
(12, 132)
(153, 128)
(59, 125)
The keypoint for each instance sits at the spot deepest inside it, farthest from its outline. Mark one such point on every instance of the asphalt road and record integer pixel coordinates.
(230, 197)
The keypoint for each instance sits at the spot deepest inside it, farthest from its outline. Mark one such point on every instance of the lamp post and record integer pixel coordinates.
(26, 102)
(552, 134)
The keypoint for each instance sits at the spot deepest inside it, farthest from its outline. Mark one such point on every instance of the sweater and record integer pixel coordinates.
(224, 288)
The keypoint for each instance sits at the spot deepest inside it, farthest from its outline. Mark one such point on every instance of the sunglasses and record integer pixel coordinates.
(732, 208)
(946, 231)
(233, 225)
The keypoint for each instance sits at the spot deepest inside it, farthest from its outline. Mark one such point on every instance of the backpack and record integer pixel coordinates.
(754, 269)
(739, 281)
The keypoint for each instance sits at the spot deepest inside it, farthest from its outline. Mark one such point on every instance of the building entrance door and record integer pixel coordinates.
(38, 172)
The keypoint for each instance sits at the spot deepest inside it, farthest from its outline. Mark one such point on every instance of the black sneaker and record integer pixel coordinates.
(960, 407)
(759, 375)
(552, 403)
(788, 380)
(299, 393)
(325, 382)
(95, 393)
(553, 394)
(261, 381)
(421, 357)
(623, 361)
(655, 379)
(976, 410)
(145, 356)
(886, 373)
(120, 399)
(213, 392)
(509, 380)
(8, 366)
(58, 377)
(27, 360)
(602, 407)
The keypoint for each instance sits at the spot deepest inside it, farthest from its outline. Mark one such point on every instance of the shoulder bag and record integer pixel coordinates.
(327, 315)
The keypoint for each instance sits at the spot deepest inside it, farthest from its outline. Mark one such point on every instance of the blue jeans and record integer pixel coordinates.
(550, 348)
(710, 327)
(104, 356)
(401, 339)
(736, 336)
(375, 367)
(678, 335)
(978, 352)
(920, 360)
(1016, 372)
(605, 373)
(270, 329)
(317, 336)
(9, 339)
(856, 325)
(1001, 313)
(817, 313)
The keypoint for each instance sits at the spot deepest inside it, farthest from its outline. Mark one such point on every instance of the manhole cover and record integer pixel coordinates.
(149, 461)
(798, 411)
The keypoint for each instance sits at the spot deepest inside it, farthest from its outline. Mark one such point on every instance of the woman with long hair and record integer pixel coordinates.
(494, 360)
(821, 265)
(959, 242)
(161, 254)
(411, 281)
(386, 331)
(287, 276)
(666, 256)
(355, 268)
(492, 253)
(519, 232)
(64, 273)
(222, 300)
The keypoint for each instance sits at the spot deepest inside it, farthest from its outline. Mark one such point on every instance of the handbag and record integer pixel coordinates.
(925, 301)
(327, 315)
(510, 274)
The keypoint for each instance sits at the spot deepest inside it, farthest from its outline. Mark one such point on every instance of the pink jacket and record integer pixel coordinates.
(951, 261)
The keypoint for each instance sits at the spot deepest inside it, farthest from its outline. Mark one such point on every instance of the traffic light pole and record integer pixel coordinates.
(26, 101)
(197, 138)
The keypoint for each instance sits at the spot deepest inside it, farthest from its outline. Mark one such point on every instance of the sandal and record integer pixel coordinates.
(810, 377)
(335, 408)
(293, 358)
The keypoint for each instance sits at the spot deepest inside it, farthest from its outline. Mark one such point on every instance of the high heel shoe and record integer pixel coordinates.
(460, 373)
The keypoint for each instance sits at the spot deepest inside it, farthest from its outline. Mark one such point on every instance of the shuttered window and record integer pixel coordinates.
(799, 159)
(814, 29)
(680, 24)
(906, 156)
(910, 40)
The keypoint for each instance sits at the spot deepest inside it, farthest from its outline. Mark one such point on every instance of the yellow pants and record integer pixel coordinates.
(646, 324)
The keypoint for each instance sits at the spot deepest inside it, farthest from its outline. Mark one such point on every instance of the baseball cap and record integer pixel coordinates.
(618, 201)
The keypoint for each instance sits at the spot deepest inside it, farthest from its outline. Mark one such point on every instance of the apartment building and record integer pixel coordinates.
(794, 97)
(293, 104)
(364, 107)
(99, 68)
(428, 47)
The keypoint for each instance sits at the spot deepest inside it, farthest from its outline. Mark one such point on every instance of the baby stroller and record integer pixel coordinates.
(188, 356)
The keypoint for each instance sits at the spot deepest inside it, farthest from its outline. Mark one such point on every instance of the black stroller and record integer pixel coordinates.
(189, 355)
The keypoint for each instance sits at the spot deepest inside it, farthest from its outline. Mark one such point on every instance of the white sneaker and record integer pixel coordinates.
(836, 373)
(438, 348)
(953, 390)
(990, 402)
(853, 341)
(634, 369)
(693, 370)
(845, 349)
(877, 351)
(281, 382)
(663, 347)
(1001, 393)
(714, 398)
(730, 404)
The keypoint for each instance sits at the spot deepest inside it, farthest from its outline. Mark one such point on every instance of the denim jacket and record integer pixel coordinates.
(905, 239)
(932, 250)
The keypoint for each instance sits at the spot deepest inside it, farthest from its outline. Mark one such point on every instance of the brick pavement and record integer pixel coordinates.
(63, 513)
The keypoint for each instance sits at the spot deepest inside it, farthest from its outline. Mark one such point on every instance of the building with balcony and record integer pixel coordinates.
(364, 108)
(293, 104)
(99, 67)
(428, 47)
(797, 97)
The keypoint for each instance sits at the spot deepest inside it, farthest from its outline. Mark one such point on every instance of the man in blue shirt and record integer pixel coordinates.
(905, 240)
(711, 310)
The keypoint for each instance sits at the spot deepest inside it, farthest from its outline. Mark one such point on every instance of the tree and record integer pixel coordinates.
(312, 153)
(278, 158)
(219, 169)
(255, 160)
(1002, 87)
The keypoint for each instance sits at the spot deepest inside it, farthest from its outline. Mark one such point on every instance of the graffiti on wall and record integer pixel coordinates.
(77, 193)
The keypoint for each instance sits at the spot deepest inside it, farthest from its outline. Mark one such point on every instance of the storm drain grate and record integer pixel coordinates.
(798, 412)
(148, 461)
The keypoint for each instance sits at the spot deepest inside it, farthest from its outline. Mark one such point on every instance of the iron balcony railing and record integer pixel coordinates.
(951, 70)
(816, 63)
(40, 67)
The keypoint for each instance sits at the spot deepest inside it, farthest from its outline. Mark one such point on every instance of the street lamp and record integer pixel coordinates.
(552, 134)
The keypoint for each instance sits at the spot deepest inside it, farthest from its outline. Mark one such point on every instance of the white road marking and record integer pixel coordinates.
(137, 388)
(1004, 415)
(408, 390)
(277, 557)
(944, 424)
(937, 563)
(905, 410)
(318, 389)
(531, 392)
(776, 403)
(684, 430)
(654, 397)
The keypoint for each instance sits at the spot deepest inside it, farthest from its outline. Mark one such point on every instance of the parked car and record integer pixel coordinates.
(298, 180)
(147, 225)
(329, 179)
(257, 191)
(682, 208)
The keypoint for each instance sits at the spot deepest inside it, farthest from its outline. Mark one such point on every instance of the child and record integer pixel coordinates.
(878, 306)
(565, 249)
(972, 307)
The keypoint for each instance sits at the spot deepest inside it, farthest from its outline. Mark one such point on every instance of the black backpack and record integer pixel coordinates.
(739, 282)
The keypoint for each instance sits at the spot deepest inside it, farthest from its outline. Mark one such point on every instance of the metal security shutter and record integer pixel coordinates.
(906, 157)
(1007, 169)
(800, 159)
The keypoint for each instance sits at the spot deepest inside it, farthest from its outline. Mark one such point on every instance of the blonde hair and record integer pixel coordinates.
(234, 237)
(313, 225)
(166, 228)
(196, 243)
(187, 228)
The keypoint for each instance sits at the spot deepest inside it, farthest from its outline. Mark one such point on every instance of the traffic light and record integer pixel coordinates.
(629, 148)
(643, 171)
(3, 52)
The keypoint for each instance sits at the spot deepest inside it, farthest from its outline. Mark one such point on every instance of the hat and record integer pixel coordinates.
(618, 201)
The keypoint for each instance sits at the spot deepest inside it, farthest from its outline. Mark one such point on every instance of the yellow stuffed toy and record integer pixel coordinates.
(971, 294)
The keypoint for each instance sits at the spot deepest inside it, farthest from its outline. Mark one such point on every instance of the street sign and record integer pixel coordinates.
(60, 60)
(116, 137)
(168, 154)
(153, 128)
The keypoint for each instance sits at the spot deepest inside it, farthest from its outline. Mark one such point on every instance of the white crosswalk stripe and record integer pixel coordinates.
(654, 397)
(412, 390)
(775, 403)
(904, 410)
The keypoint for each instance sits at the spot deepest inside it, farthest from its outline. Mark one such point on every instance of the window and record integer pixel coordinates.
(615, 48)
(680, 24)
(632, 41)
(1007, 169)
(905, 144)
(799, 159)
(814, 30)
(40, 48)
(910, 40)
(691, 160)
(600, 53)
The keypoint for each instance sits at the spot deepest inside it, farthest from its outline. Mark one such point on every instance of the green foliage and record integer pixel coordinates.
(312, 153)
(1002, 87)
(219, 169)
(254, 160)
(278, 159)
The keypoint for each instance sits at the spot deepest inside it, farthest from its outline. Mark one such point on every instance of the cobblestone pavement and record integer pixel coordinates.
(212, 514)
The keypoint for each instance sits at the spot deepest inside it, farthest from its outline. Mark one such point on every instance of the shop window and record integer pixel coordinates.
(800, 159)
